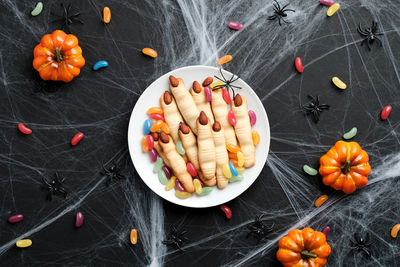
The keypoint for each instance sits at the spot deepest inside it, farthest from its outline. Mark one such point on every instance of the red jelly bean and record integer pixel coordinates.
(179, 186)
(157, 117)
(77, 138)
(231, 118)
(386, 112)
(191, 169)
(253, 117)
(153, 155)
(150, 141)
(226, 96)
(167, 171)
(227, 210)
(326, 231)
(299, 65)
(23, 129)
(78, 219)
(15, 218)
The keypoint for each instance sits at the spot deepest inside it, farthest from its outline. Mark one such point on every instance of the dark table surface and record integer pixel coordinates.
(186, 33)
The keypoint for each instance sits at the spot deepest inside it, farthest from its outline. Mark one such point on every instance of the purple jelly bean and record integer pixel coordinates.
(167, 171)
(78, 219)
(253, 117)
(326, 231)
(153, 155)
(207, 92)
(235, 25)
(327, 2)
(15, 218)
(179, 186)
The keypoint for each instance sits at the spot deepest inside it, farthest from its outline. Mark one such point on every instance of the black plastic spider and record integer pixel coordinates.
(258, 229)
(176, 238)
(314, 107)
(55, 186)
(361, 243)
(227, 83)
(113, 173)
(370, 34)
(67, 18)
(280, 13)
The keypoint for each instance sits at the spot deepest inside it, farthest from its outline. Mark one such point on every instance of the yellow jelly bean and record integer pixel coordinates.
(332, 9)
(217, 83)
(24, 243)
(226, 170)
(256, 138)
(197, 186)
(339, 84)
(240, 170)
(170, 184)
(181, 195)
(224, 59)
(150, 52)
(240, 159)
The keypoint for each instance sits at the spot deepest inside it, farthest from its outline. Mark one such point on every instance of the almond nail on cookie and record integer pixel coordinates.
(221, 154)
(199, 97)
(159, 149)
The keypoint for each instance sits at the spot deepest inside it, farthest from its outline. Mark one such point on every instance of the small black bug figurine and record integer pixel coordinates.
(280, 13)
(55, 186)
(113, 173)
(176, 237)
(314, 107)
(361, 243)
(67, 18)
(370, 34)
(258, 229)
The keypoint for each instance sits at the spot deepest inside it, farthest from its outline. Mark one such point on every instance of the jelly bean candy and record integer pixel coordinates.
(206, 190)
(156, 110)
(216, 84)
(78, 219)
(153, 155)
(77, 138)
(231, 118)
(232, 155)
(240, 158)
(224, 59)
(207, 93)
(157, 117)
(149, 52)
(386, 112)
(235, 162)
(156, 126)
(150, 141)
(100, 64)
(181, 195)
(253, 117)
(327, 2)
(332, 9)
(167, 171)
(179, 148)
(170, 184)
(321, 200)
(147, 126)
(350, 134)
(309, 170)
(227, 211)
(240, 169)
(15, 218)
(145, 146)
(395, 230)
(106, 14)
(235, 25)
(237, 178)
(226, 96)
(191, 169)
(162, 177)
(226, 170)
(158, 165)
(179, 186)
(133, 237)
(339, 84)
(326, 231)
(38, 9)
(256, 138)
(23, 129)
(23, 243)
(165, 128)
(233, 169)
(197, 186)
(233, 148)
(299, 65)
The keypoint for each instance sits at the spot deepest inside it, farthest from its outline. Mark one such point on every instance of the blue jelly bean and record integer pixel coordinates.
(100, 64)
(147, 126)
(233, 169)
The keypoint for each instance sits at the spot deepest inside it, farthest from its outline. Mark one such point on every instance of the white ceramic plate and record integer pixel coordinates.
(144, 166)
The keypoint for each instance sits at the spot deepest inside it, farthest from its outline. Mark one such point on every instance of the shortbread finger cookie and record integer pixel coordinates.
(220, 110)
(243, 130)
(159, 150)
(171, 114)
(199, 97)
(221, 154)
(185, 102)
(178, 164)
(206, 147)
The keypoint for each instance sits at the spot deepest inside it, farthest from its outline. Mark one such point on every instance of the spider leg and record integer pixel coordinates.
(219, 79)
(378, 40)
(315, 115)
(279, 20)
(361, 31)
(290, 10)
(367, 43)
(62, 191)
(324, 106)
(234, 80)
(366, 251)
(46, 182)
(220, 71)
(285, 21)
(279, 7)
(272, 17)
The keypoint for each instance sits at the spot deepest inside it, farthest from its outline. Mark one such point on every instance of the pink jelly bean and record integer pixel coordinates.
(15, 218)
(78, 219)
(385, 112)
(207, 92)
(157, 117)
(327, 2)
(235, 25)
(150, 141)
(231, 118)
(153, 155)
(326, 231)
(253, 117)
(226, 96)
(179, 186)
(167, 171)
(191, 169)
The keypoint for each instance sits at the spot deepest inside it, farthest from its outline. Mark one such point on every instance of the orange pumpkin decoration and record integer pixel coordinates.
(303, 248)
(345, 167)
(58, 57)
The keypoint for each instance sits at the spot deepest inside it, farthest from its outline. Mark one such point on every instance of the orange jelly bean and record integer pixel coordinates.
(224, 59)
(106, 14)
(235, 162)
(256, 138)
(149, 52)
(156, 126)
(395, 230)
(133, 237)
(232, 155)
(232, 148)
(153, 110)
(165, 128)
(321, 200)
(145, 147)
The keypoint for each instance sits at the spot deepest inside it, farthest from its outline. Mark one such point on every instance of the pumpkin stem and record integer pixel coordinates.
(346, 166)
(305, 254)
(59, 57)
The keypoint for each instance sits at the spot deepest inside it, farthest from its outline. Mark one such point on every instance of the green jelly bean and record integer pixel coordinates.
(158, 165)
(162, 177)
(350, 134)
(180, 148)
(38, 9)
(309, 170)
(205, 191)
(236, 178)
